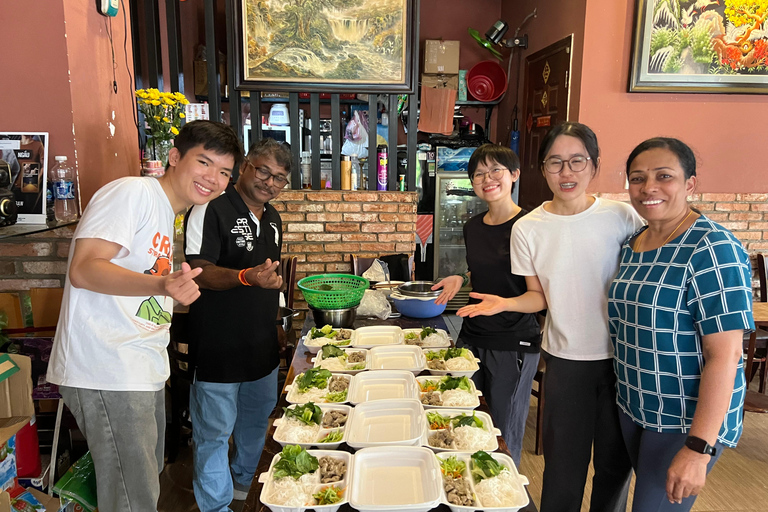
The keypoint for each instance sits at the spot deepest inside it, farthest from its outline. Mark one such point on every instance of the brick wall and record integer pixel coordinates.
(35, 261)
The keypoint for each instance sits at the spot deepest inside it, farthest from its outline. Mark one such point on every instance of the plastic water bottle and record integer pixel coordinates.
(306, 169)
(63, 176)
(355, 172)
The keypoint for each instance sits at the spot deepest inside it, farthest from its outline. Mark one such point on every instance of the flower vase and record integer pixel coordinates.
(158, 150)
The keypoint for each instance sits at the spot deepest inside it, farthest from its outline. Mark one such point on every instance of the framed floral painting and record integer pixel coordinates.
(710, 46)
(326, 45)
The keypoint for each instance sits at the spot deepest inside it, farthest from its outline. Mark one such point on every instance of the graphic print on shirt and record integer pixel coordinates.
(150, 311)
(277, 233)
(246, 235)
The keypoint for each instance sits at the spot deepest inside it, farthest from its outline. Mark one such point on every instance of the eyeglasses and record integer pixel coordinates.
(495, 174)
(264, 175)
(555, 165)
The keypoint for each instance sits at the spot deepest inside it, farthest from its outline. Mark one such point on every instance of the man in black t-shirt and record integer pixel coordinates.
(236, 239)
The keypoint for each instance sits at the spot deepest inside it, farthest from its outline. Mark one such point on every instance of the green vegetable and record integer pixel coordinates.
(437, 421)
(313, 378)
(360, 366)
(449, 382)
(435, 354)
(458, 352)
(325, 331)
(484, 466)
(333, 437)
(328, 495)
(426, 331)
(308, 413)
(333, 351)
(339, 396)
(452, 467)
(411, 336)
(428, 385)
(294, 461)
(463, 420)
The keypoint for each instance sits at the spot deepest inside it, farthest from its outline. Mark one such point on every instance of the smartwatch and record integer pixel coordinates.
(699, 445)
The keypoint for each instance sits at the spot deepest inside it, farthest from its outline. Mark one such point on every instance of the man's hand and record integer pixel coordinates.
(488, 305)
(265, 275)
(450, 285)
(181, 284)
(686, 475)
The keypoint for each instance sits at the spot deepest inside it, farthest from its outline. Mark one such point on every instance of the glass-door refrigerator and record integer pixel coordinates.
(455, 203)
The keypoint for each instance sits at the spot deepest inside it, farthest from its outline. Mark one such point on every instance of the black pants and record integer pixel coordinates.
(580, 413)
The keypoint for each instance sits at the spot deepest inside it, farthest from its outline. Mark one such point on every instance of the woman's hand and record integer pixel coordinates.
(686, 475)
(488, 305)
(450, 285)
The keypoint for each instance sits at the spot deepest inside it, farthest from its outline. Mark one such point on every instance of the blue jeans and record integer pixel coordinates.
(218, 410)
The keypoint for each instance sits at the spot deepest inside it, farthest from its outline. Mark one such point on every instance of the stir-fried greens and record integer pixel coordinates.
(452, 467)
(437, 421)
(463, 420)
(333, 437)
(448, 382)
(484, 466)
(329, 495)
(333, 351)
(308, 413)
(313, 378)
(294, 461)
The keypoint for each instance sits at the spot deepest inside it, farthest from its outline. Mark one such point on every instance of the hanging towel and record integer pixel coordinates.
(436, 111)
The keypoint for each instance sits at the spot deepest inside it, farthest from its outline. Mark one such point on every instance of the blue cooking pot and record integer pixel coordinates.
(417, 307)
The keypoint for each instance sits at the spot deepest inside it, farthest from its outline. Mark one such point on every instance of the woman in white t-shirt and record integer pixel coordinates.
(570, 246)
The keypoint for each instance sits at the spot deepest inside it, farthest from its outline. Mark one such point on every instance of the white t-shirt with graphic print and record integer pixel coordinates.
(118, 343)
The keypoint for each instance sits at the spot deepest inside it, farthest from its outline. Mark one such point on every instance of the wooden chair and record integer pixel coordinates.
(288, 271)
(760, 356)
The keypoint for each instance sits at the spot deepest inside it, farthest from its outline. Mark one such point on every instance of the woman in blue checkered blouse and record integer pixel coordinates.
(678, 310)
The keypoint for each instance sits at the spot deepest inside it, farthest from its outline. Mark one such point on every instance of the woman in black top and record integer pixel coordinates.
(506, 343)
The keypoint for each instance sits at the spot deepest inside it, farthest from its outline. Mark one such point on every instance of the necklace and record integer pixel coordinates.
(640, 238)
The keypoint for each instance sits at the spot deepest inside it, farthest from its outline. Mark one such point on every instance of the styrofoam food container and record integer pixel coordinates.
(377, 335)
(398, 357)
(474, 391)
(382, 385)
(280, 424)
(315, 348)
(294, 397)
(451, 413)
(386, 422)
(455, 373)
(395, 478)
(446, 339)
(344, 483)
(520, 483)
(366, 365)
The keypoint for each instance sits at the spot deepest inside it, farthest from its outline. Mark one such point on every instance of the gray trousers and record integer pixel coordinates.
(506, 378)
(125, 431)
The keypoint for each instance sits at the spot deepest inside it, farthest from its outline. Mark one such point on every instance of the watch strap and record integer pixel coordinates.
(699, 445)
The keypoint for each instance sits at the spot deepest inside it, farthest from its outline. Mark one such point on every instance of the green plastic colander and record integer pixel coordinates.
(333, 291)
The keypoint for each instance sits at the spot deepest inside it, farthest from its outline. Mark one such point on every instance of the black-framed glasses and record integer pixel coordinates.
(495, 174)
(556, 165)
(264, 175)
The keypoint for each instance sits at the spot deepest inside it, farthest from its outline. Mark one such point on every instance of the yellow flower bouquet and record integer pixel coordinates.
(163, 112)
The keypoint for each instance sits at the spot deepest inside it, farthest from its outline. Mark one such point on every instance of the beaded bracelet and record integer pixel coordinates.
(241, 277)
(465, 278)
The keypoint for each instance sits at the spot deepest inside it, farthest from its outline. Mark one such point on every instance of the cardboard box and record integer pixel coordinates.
(441, 57)
(49, 503)
(16, 409)
(439, 81)
(201, 77)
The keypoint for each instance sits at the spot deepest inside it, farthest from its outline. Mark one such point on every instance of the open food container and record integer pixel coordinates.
(328, 433)
(438, 339)
(287, 494)
(382, 385)
(336, 389)
(434, 394)
(395, 478)
(354, 360)
(386, 423)
(445, 433)
(504, 492)
(376, 336)
(398, 357)
(342, 338)
(462, 366)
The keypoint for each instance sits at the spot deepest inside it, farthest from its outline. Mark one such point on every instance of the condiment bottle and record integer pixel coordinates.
(346, 173)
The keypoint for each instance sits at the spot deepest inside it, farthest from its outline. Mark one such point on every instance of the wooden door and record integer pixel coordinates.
(545, 105)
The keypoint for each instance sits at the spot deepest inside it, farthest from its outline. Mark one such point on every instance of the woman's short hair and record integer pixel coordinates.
(577, 130)
(680, 149)
(488, 153)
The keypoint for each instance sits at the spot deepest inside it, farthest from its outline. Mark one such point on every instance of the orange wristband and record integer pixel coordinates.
(241, 277)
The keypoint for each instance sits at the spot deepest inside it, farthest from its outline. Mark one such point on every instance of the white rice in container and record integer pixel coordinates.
(460, 363)
(295, 431)
(292, 493)
(458, 398)
(472, 438)
(499, 491)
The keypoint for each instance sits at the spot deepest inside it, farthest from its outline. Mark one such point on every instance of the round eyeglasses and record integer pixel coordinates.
(556, 165)
(264, 175)
(495, 174)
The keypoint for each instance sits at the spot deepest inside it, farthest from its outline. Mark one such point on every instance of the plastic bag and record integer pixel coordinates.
(79, 484)
(378, 271)
(375, 304)
(356, 135)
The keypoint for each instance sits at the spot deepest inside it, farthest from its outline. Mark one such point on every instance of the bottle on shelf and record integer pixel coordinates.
(346, 173)
(382, 167)
(306, 170)
(64, 204)
(355, 172)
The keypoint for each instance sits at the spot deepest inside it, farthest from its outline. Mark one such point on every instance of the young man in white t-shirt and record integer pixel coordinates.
(109, 355)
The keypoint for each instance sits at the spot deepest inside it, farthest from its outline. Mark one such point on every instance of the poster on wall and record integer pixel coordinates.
(700, 46)
(26, 155)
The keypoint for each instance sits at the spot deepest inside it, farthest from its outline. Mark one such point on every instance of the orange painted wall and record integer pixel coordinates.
(727, 132)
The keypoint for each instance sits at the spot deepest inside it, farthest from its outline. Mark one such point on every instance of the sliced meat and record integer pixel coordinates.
(337, 384)
(458, 491)
(331, 470)
(437, 364)
(334, 419)
(431, 398)
(441, 439)
(344, 334)
(356, 357)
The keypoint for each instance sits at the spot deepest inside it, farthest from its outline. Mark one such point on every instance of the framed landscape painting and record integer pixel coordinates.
(326, 45)
(711, 46)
